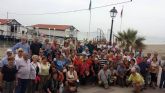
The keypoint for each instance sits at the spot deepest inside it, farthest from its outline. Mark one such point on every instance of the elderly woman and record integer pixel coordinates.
(53, 84)
(44, 68)
(34, 79)
(154, 68)
(71, 78)
(46, 48)
(60, 62)
(137, 80)
(19, 55)
(8, 76)
(66, 48)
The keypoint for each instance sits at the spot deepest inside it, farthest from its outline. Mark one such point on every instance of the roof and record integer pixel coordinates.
(5, 21)
(52, 27)
(9, 21)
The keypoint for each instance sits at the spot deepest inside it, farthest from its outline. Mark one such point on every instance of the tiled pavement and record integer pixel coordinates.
(95, 89)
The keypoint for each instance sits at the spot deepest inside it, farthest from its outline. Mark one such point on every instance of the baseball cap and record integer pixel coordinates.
(9, 50)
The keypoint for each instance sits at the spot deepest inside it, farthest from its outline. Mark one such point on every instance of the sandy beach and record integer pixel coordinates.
(156, 48)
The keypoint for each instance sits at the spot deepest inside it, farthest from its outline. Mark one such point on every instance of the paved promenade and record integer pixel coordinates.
(95, 89)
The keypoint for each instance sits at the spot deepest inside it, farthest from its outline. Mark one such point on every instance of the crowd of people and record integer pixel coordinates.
(50, 67)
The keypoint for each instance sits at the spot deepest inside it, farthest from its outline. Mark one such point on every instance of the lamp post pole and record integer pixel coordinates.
(110, 38)
(113, 13)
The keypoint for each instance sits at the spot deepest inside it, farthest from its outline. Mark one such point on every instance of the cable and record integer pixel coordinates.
(74, 10)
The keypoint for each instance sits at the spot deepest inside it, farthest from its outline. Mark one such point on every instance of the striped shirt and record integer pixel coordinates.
(103, 61)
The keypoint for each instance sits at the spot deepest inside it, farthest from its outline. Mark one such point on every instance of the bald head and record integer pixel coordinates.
(24, 39)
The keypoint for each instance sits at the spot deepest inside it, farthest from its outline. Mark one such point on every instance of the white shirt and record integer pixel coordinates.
(24, 69)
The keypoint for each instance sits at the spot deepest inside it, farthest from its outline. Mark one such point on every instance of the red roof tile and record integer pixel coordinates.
(52, 27)
(4, 21)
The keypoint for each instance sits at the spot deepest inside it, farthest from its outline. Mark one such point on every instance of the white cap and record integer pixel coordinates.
(9, 50)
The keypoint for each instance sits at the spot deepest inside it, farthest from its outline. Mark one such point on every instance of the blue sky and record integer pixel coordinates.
(146, 16)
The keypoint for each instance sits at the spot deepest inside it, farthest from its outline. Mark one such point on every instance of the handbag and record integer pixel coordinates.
(37, 79)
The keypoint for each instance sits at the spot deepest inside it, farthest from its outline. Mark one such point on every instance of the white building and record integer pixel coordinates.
(12, 28)
(55, 31)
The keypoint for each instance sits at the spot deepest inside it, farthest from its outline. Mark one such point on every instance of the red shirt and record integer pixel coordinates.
(77, 61)
(84, 67)
(139, 60)
(89, 62)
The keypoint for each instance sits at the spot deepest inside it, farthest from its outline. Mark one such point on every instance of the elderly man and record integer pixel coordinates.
(4, 59)
(35, 47)
(102, 59)
(137, 80)
(23, 44)
(24, 72)
(104, 76)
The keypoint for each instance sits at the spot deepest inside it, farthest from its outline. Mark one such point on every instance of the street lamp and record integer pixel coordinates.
(113, 13)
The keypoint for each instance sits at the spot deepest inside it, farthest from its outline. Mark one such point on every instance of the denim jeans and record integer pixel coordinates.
(146, 80)
(22, 85)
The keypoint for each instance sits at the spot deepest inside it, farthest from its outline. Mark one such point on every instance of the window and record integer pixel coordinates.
(23, 32)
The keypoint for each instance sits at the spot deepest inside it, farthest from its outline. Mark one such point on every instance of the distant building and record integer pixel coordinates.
(11, 28)
(55, 31)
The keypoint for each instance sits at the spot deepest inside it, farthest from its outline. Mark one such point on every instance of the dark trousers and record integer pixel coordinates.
(8, 87)
(162, 80)
(94, 79)
(83, 80)
(121, 81)
(22, 85)
(31, 88)
(145, 78)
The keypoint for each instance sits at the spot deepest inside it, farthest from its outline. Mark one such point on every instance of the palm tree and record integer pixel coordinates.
(129, 39)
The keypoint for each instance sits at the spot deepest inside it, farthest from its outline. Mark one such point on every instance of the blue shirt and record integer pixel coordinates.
(121, 70)
(143, 66)
(60, 64)
(25, 47)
